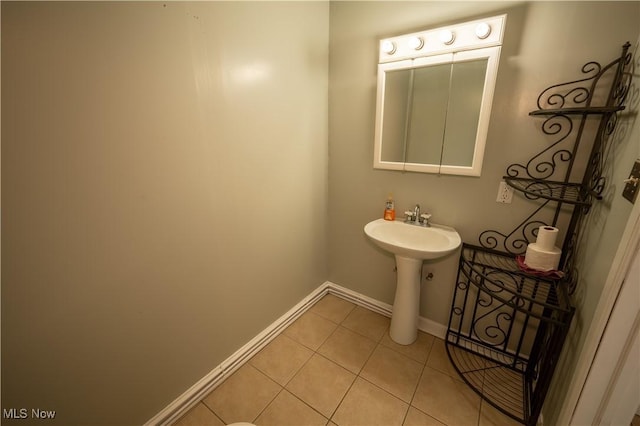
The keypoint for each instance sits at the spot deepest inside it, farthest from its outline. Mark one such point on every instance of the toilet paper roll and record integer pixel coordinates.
(546, 239)
(540, 259)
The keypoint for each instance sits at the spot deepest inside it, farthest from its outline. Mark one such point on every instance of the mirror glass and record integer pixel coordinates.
(433, 111)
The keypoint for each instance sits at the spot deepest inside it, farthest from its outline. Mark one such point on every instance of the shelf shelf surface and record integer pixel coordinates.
(501, 386)
(498, 274)
(571, 193)
(506, 328)
(578, 110)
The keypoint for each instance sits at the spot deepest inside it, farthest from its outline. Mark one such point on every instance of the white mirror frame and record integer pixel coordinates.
(468, 50)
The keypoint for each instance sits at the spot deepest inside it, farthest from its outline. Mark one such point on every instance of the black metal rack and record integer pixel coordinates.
(568, 109)
(500, 320)
(506, 326)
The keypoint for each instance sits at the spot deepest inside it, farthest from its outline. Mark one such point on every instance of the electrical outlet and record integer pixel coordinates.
(630, 191)
(505, 193)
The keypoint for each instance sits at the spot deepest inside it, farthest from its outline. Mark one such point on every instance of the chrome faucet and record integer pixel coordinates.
(415, 218)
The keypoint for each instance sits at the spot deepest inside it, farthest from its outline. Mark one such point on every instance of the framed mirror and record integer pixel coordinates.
(434, 102)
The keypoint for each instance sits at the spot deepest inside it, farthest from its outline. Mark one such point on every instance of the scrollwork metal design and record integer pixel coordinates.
(572, 93)
(562, 104)
(544, 164)
(625, 81)
(517, 240)
(497, 299)
(488, 328)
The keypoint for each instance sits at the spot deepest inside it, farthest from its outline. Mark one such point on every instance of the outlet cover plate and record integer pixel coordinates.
(505, 193)
(630, 191)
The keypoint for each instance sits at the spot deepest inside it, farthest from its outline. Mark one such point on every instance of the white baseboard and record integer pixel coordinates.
(199, 390)
(424, 324)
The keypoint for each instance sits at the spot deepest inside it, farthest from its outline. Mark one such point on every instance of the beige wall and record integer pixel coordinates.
(165, 187)
(164, 184)
(603, 230)
(545, 43)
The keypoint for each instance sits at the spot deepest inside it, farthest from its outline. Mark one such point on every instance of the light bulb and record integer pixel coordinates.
(388, 47)
(483, 30)
(447, 36)
(416, 43)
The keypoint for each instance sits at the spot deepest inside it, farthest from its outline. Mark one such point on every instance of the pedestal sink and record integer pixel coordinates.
(411, 244)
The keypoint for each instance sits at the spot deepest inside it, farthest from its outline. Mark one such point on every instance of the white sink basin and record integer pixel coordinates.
(416, 242)
(411, 245)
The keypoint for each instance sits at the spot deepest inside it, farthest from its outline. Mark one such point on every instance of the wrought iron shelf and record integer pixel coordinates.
(499, 275)
(502, 345)
(507, 327)
(578, 110)
(565, 192)
(501, 386)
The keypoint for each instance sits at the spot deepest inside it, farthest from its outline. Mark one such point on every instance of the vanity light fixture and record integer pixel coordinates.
(416, 43)
(388, 47)
(447, 36)
(462, 58)
(483, 30)
(465, 36)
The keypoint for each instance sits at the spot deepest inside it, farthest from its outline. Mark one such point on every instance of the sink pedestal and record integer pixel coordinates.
(410, 244)
(406, 305)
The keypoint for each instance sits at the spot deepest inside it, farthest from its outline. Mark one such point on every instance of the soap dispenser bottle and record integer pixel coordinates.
(389, 209)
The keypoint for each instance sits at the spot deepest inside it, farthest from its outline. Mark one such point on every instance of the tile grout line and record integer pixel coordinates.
(266, 406)
(284, 387)
(418, 384)
(357, 375)
(305, 403)
(208, 408)
(315, 352)
(268, 403)
(359, 371)
(353, 383)
(415, 391)
(378, 344)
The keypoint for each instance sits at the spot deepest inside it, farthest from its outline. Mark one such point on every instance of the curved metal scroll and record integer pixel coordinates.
(546, 175)
(517, 240)
(544, 164)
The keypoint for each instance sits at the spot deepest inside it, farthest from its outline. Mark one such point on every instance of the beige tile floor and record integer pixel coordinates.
(337, 365)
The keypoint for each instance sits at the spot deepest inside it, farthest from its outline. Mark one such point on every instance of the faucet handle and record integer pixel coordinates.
(409, 216)
(424, 218)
